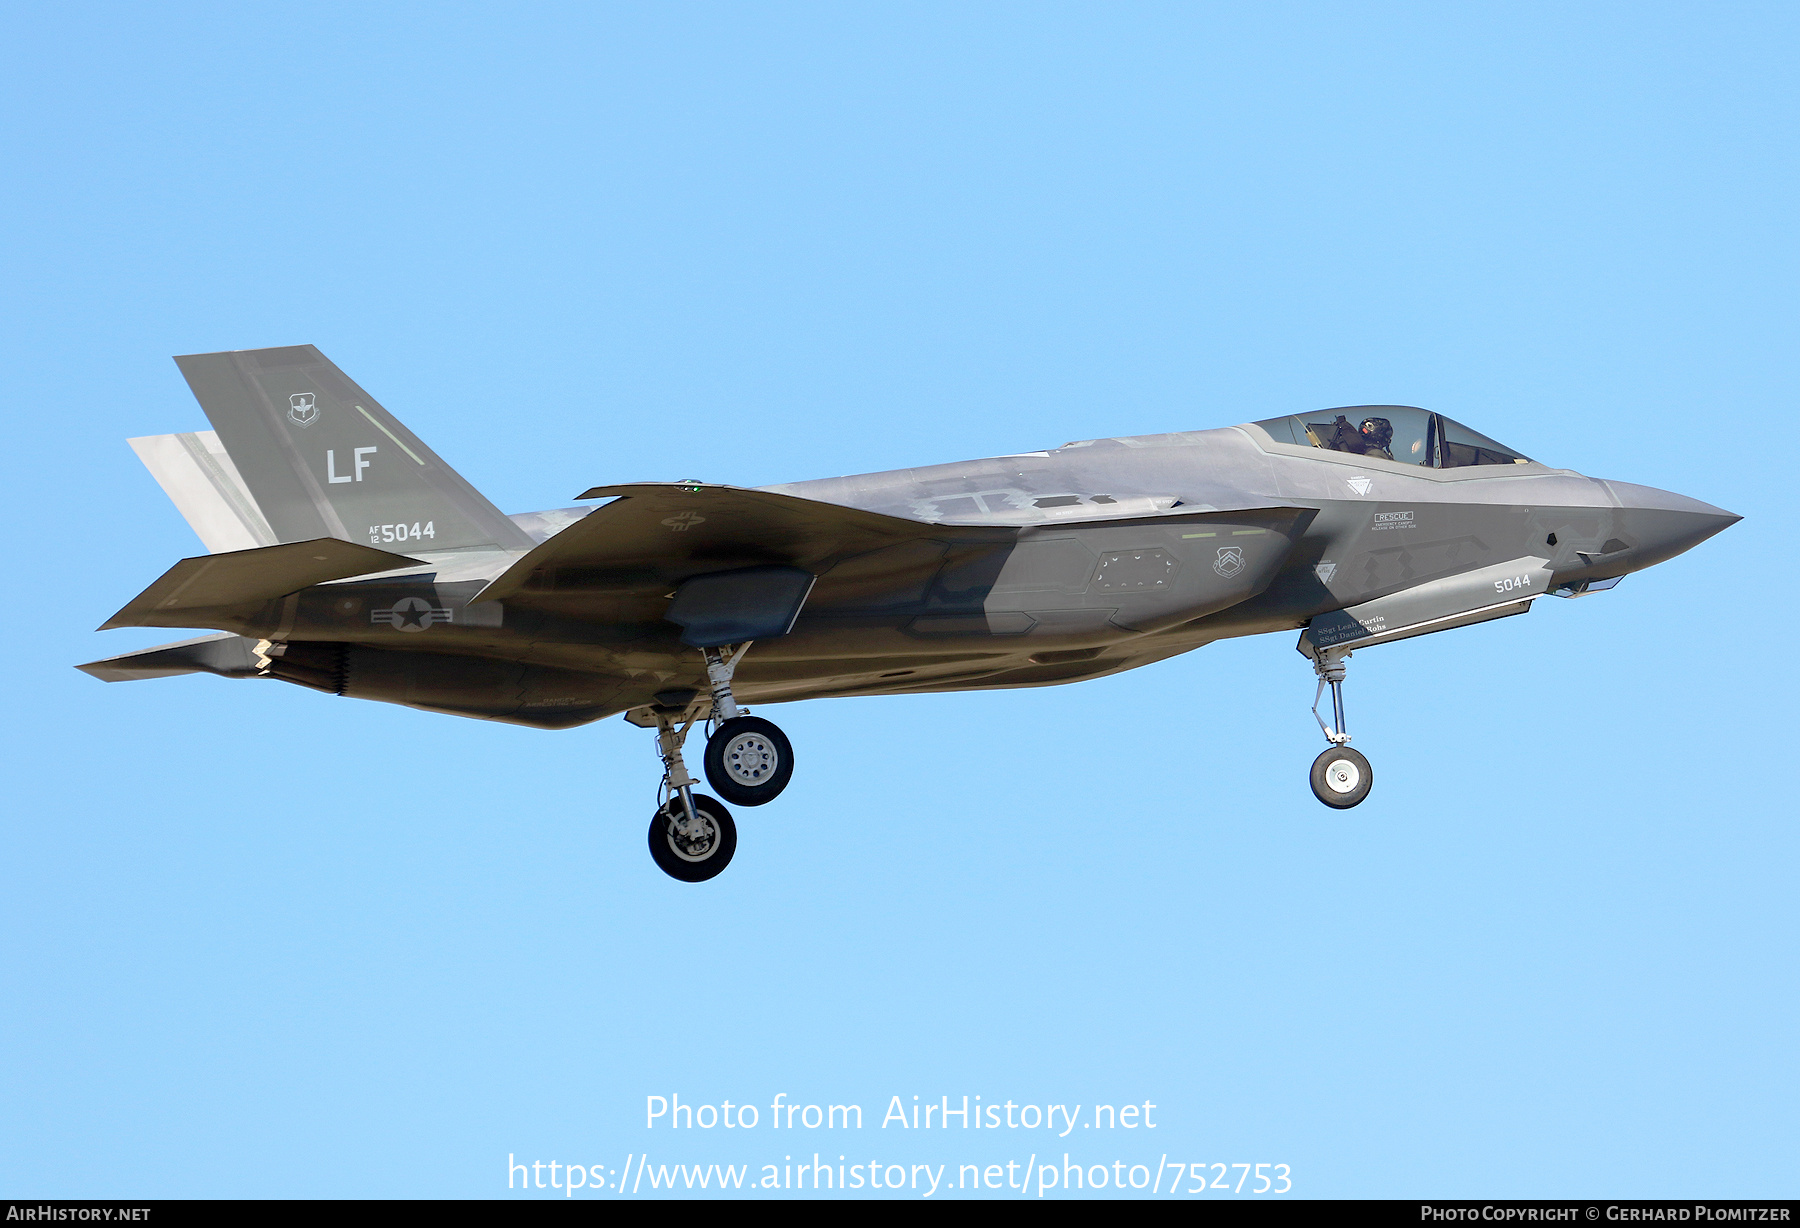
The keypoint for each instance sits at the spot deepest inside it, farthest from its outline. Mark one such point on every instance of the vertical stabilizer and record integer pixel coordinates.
(197, 474)
(320, 457)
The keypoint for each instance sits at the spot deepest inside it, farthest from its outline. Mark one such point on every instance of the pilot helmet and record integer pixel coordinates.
(1378, 431)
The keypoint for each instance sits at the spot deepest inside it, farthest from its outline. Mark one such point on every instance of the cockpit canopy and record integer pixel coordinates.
(1392, 432)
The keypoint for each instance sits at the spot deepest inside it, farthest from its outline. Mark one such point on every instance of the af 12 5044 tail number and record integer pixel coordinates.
(1512, 582)
(381, 533)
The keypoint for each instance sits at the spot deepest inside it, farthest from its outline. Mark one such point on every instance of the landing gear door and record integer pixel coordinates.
(732, 607)
(1475, 596)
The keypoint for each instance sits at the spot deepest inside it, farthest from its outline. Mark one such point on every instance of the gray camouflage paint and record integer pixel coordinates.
(1025, 570)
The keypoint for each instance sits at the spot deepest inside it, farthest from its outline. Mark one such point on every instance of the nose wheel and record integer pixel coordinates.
(1341, 777)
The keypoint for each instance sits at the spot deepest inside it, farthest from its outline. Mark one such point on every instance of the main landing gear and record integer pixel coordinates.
(692, 837)
(1341, 777)
(696, 845)
(748, 761)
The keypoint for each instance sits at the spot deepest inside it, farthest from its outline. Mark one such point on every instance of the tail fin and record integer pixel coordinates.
(322, 458)
(196, 472)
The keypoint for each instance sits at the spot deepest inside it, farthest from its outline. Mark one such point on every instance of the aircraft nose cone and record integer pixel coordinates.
(1660, 524)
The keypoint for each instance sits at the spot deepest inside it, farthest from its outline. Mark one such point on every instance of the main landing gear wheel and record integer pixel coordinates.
(749, 761)
(1341, 777)
(692, 850)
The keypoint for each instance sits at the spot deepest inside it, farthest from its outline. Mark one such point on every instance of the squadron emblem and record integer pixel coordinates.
(1230, 561)
(303, 409)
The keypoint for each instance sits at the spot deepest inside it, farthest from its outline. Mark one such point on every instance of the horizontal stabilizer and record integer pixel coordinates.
(225, 654)
(1475, 596)
(243, 580)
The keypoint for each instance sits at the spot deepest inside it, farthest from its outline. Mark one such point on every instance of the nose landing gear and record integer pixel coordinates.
(1341, 777)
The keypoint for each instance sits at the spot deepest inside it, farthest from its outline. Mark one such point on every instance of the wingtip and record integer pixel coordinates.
(98, 670)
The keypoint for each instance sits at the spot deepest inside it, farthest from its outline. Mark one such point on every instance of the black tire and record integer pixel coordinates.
(749, 761)
(693, 861)
(1341, 777)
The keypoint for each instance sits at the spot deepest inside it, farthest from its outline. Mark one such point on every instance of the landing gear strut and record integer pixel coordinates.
(748, 760)
(1341, 777)
(692, 849)
(692, 837)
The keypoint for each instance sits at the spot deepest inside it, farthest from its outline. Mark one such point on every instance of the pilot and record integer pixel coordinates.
(1372, 438)
(1377, 437)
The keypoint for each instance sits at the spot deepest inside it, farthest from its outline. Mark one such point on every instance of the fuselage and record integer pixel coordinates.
(1102, 555)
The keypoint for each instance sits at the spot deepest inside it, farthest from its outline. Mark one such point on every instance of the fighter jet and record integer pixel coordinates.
(346, 557)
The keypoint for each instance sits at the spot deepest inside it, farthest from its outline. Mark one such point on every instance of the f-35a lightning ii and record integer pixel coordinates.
(346, 557)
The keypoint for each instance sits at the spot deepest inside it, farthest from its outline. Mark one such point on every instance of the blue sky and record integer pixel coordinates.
(261, 941)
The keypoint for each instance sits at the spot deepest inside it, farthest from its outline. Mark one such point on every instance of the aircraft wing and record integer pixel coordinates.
(623, 563)
(654, 535)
